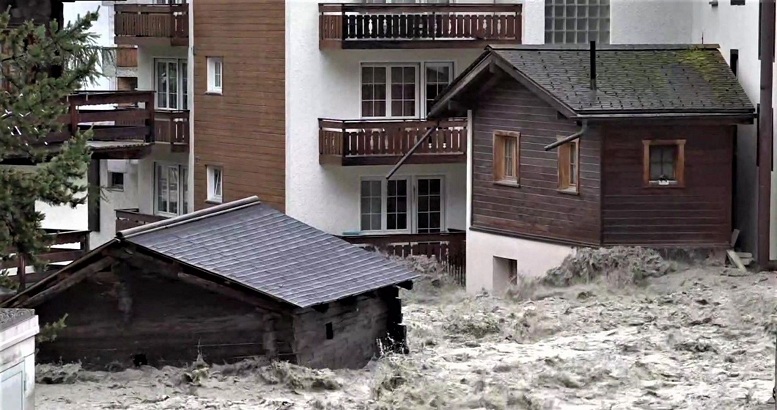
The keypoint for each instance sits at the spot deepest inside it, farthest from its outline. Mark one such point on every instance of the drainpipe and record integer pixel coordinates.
(765, 130)
(569, 138)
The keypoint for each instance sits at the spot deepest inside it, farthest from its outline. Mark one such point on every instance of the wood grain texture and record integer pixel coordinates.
(243, 130)
(697, 214)
(536, 208)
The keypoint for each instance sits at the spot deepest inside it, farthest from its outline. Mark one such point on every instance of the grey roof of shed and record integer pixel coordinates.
(272, 253)
(656, 79)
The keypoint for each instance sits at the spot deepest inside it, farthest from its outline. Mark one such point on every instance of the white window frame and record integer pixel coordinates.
(183, 188)
(451, 76)
(215, 66)
(388, 67)
(182, 99)
(412, 204)
(215, 191)
(581, 24)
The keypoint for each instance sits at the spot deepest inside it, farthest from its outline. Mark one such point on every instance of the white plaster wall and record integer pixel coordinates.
(113, 199)
(534, 258)
(325, 84)
(17, 348)
(102, 29)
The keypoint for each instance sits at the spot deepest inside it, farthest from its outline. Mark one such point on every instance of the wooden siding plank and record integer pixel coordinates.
(244, 129)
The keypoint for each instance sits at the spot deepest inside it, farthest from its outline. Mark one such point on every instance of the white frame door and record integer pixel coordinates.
(182, 188)
(180, 68)
(412, 208)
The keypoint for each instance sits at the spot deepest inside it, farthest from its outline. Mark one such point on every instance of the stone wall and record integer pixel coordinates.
(354, 325)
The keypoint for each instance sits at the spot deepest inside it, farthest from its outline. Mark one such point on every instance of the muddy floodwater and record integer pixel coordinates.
(696, 338)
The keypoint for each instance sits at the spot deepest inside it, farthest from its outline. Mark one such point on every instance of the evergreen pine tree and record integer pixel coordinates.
(40, 65)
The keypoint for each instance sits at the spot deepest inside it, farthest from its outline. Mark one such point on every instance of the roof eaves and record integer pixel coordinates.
(439, 105)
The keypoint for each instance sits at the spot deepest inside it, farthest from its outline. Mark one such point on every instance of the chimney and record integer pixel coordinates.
(593, 65)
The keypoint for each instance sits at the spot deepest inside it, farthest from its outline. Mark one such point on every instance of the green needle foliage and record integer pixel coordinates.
(40, 65)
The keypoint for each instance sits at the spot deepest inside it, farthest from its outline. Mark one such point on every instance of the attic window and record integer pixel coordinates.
(506, 157)
(664, 163)
(569, 166)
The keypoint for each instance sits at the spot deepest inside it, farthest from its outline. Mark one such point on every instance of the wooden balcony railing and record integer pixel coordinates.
(366, 26)
(368, 142)
(66, 246)
(152, 24)
(125, 115)
(130, 218)
(172, 127)
(449, 248)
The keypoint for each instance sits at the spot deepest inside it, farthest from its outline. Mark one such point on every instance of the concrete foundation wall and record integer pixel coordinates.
(18, 328)
(486, 255)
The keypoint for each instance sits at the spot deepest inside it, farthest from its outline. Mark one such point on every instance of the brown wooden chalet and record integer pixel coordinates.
(624, 145)
(232, 281)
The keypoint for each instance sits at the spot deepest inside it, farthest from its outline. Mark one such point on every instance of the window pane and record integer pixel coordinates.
(161, 189)
(161, 84)
(371, 204)
(173, 189)
(373, 91)
(396, 205)
(184, 86)
(403, 91)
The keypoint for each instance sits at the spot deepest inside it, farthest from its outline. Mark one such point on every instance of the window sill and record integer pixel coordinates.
(213, 201)
(114, 189)
(508, 184)
(670, 186)
(213, 92)
(568, 191)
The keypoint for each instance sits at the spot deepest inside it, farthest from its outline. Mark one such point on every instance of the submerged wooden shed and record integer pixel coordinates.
(230, 282)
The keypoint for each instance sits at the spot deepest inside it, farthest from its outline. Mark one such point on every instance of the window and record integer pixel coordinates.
(389, 91)
(215, 183)
(733, 60)
(396, 205)
(215, 74)
(388, 205)
(172, 189)
(569, 166)
(506, 157)
(737, 2)
(577, 21)
(116, 181)
(171, 85)
(664, 163)
(437, 76)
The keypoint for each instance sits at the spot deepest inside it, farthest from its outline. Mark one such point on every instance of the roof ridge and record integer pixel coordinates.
(603, 47)
(190, 217)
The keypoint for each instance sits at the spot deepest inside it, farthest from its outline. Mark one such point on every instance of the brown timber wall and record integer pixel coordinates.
(168, 321)
(698, 214)
(243, 130)
(356, 327)
(536, 209)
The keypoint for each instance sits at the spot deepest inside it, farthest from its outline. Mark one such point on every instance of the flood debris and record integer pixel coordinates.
(599, 332)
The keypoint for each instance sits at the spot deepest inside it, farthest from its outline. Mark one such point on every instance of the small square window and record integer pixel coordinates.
(215, 74)
(569, 166)
(664, 163)
(116, 181)
(215, 183)
(737, 2)
(506, 157)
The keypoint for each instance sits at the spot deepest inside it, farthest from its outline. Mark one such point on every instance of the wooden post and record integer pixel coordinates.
(21, 270)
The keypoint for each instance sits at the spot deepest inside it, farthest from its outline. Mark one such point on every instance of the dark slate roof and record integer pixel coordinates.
(629, 79)
(270, 252)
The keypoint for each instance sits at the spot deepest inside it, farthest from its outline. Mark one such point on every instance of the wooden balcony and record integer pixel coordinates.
(130, 218)
(152, 24)
(383, 26)
(172, 127)
(449, 248)
(66, 246)
(368, 142)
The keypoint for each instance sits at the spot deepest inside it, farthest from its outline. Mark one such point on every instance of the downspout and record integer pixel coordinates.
(569, 138)
(412, 150)
(765, 130)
